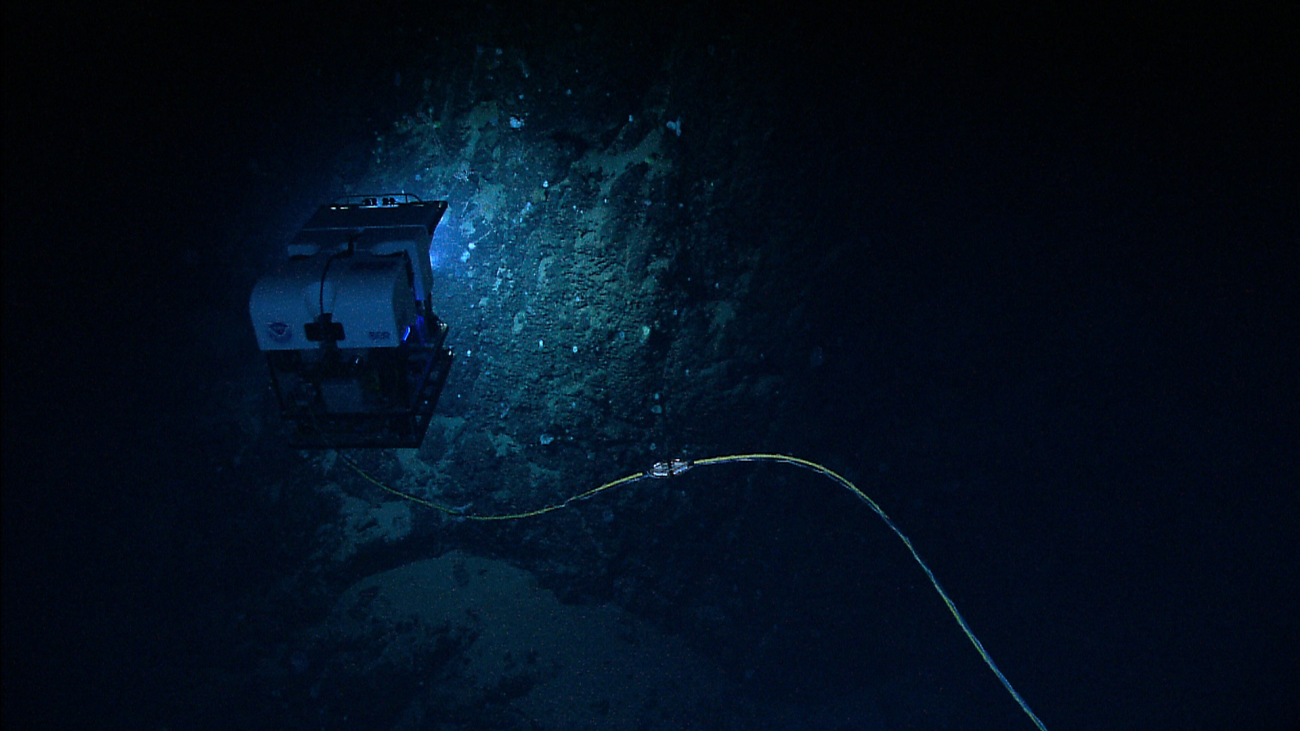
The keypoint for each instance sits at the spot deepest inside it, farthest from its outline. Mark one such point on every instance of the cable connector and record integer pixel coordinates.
(670, 469)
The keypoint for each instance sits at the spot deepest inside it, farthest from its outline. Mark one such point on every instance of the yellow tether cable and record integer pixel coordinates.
(679, 466)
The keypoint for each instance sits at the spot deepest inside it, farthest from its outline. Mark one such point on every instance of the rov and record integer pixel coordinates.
(355, 351)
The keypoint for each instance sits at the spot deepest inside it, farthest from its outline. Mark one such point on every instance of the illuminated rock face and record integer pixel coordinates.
(602, 296)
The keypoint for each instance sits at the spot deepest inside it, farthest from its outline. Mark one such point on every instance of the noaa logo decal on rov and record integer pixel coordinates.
(280, 332)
